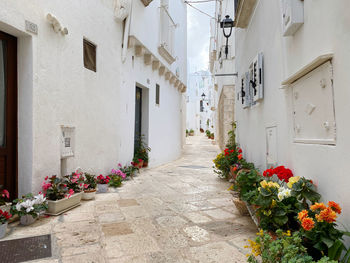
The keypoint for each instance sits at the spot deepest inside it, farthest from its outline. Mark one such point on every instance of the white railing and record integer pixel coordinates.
(167, 30)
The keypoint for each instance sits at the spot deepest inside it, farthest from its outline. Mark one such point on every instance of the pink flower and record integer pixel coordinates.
(86, 186)
(6, 193)
(140, 160)
(45, 186)
(119, 165)
(46, 178)
(71, 192)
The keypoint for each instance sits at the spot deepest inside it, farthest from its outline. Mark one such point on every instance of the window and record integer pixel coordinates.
(157, 94)
(201, 108)
(89, 55)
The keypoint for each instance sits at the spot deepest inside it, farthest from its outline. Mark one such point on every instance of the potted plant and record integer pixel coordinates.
(4, 217)
(117, 176)
(212, 136)
(141, 152)
(74, 181)
(201, 130)
(187, 132)
(137, 163)
(4, 197)
(102, 183)
(29, 207)
(191, 132)
(59, 197)
(208, 133)
(90, 184)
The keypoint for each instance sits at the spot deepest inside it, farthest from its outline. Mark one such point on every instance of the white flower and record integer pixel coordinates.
(39, 199)
(283, 193)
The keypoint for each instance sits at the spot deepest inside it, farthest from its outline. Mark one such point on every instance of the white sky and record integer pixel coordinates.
(198, 35)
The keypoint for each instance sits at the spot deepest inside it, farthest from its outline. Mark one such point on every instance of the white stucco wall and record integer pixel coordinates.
(325, 30)
(55, 89)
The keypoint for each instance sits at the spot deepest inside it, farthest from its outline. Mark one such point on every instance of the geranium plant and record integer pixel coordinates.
(74, 181)
(4, 196)
(90, 181)
(29, 205)
(4, 217)
(55, 189)
(116, 178)
(128, 170)
(103, 179)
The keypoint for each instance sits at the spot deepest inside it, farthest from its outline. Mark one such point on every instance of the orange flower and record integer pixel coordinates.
(308, 223)
(316, 206)
(319, 218)
(235, 168)
(303, 214)
(328, 215)
(240, 156)
(336, 207)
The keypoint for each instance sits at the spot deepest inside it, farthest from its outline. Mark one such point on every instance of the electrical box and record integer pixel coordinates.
(292, 16)
(256, 82)
(271, 146)
(313, 107)
(67, 141)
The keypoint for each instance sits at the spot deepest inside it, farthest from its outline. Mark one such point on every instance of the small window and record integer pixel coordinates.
(89, 55)
(157, 94)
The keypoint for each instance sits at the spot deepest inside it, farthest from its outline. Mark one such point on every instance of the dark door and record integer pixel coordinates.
(8, 113)
(138, 115)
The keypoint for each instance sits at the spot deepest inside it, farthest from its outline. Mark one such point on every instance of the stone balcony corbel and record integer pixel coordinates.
(168, 75)
(155, 65)
(147, 59)
(161, 70)
(139, 51)
(177, 83)
(172, 79)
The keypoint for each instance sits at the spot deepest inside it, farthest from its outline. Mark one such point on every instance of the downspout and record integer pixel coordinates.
(126, 33)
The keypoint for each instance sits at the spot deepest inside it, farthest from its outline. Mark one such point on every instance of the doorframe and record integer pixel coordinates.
(11, 81)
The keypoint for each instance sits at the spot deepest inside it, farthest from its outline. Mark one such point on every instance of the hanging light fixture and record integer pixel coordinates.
(227, 24)
(203, 96)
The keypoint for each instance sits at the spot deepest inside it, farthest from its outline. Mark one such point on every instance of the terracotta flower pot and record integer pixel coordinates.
(140, 164)
(89, 194)
(27, 220)
(60, 206)
(241, 206)
(145, 164)
(3, 228)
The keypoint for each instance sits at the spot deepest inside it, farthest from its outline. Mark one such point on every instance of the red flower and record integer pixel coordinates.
(140, 160)
(239, 150)
(5, 193)
(240, 156)
(283, 173)
(268, 172)
(235, 168)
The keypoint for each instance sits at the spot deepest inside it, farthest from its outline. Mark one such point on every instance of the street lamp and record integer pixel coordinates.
(203, 96)
(227, 24)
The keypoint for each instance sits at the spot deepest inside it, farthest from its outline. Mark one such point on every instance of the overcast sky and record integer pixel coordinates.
(198, 34)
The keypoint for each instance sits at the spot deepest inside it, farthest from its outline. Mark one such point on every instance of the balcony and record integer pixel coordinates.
(167, 35)
(243, 11)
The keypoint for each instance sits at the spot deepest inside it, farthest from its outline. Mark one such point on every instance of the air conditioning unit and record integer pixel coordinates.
(292, 16)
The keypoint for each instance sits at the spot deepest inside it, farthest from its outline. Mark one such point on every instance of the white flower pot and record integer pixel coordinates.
(27, 220)
(89, 194)
(102, 188)
(3, 228)
(6, 208)
(59, 206)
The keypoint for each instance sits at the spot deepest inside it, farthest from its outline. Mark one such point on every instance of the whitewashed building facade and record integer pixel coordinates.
(72, 76)
(292, 59)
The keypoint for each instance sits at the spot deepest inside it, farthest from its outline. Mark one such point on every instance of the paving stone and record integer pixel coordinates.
(197, 218)
(111, 217)
(219, 252)
(220, 202)
(171, 221)
(116, 229)
(197, 234)
(127, 202)
(219, 214)
(70, 251)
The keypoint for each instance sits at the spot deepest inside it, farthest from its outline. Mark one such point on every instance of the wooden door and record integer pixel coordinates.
(138, 116)
(8, 113)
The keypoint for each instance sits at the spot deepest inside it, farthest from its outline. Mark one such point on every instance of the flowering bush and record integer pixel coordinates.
(29, 205)
(117, 176)
(4, 216)
(103, 180)
(128, 170)
(55, 189)
(286, 248)
(4, 196)
(74, 181)
(90, 182)
(319, 229)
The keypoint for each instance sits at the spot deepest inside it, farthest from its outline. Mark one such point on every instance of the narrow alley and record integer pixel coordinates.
(179, 212)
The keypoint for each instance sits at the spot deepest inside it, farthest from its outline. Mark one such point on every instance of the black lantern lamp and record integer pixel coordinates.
(227, 24)
(203, 96)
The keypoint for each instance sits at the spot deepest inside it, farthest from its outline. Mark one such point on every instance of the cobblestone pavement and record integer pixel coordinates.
(179, 212)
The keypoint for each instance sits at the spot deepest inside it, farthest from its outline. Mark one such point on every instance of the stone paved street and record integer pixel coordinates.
(179, 212)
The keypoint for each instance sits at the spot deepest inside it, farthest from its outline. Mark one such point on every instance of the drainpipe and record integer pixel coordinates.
(126, 33)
